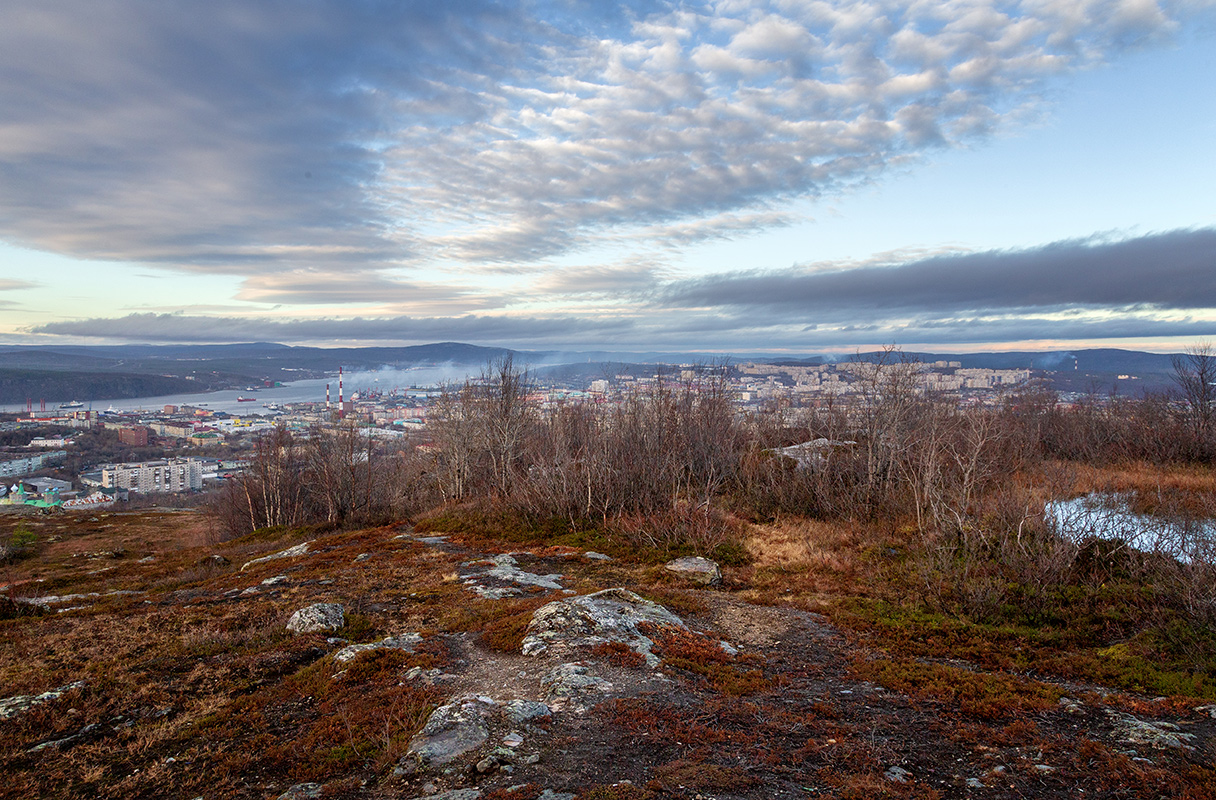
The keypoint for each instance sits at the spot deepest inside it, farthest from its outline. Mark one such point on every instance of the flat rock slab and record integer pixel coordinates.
(1153, 734)
(613, 615)
(406, 642)
(697, 569)
(505, 569)
(291, 552)
(12, 706)
(317, 618)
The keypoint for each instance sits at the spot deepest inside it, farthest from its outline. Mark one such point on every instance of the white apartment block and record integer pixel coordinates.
(20, 466)
(147, 477)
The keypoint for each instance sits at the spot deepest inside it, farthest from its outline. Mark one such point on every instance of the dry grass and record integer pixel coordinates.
(1152, 488)
(808, 562)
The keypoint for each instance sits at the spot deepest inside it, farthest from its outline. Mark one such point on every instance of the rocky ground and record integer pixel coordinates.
(139, 661)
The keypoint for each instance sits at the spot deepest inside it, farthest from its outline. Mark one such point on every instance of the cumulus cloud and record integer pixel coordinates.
(268, 137)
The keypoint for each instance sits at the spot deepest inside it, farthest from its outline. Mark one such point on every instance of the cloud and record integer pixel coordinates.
(13, 285)
(1161, 284)
(275, 137)
(316, 287)
(1174, 270)
(230, 137)
(467, 328)
(622, 280)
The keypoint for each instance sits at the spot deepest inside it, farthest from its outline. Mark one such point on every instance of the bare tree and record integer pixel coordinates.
(888, 393)
(507, 417)
(1195, 375)
(270, 492)
(456, 427)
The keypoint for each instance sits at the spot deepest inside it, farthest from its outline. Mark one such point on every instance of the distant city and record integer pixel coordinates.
(73, 455)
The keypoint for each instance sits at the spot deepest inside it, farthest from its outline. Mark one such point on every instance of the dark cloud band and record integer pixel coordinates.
(1174, 270)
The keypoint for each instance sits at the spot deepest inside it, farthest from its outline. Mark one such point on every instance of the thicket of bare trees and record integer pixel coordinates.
(679, 447)
(334, 476)
(666, 466)
(652, 465)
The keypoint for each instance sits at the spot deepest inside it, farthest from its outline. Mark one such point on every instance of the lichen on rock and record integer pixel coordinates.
(613, 615)
(406, 642)
(318, 617)
(696, 569)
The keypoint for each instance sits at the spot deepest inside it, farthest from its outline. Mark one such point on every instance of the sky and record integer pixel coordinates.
(715, 177)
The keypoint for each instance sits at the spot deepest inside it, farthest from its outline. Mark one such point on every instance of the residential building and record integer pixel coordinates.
(136, 437)
(147, 477)
(22, 465)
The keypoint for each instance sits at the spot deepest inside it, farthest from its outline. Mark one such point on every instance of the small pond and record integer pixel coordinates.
(1105, 515)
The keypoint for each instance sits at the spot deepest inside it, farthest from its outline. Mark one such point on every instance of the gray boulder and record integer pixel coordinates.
(452, 730)
(520, 712)
(318, 617)
(696, 569)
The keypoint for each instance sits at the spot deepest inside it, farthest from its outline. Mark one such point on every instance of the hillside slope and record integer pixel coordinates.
(178, 677)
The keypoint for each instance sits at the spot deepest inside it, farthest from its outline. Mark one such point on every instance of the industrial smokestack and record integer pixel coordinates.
(339, 387)
(327, 395)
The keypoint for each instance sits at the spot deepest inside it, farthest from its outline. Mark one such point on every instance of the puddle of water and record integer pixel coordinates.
(1107, 516)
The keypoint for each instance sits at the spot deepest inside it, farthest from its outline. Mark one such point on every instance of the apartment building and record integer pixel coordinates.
(147, 477)
(21, 465)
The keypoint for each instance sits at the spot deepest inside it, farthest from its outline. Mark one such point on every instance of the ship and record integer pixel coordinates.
(73, 404)
(243, 399)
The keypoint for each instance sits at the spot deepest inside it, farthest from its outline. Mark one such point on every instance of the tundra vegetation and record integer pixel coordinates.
(969, 624)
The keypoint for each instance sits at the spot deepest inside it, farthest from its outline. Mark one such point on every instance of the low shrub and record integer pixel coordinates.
(705, 657)
(983, 695)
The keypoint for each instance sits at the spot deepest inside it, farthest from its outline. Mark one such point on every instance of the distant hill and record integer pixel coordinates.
(71, 371)
(57, 386)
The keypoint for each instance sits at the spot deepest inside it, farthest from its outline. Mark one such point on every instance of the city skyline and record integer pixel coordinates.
(714, 177)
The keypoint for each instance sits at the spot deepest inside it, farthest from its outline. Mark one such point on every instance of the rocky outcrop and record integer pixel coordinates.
(291, 552)
(696, 569)
(303, 791)
(452, 730)
(504, 569)
(317, 618)
(12, 706)
(613, 615)
(567, 680)
(406, 642)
